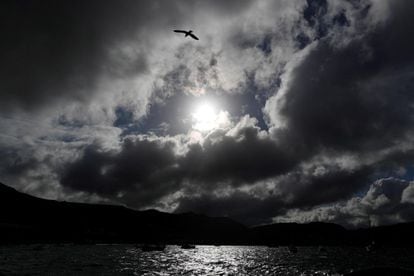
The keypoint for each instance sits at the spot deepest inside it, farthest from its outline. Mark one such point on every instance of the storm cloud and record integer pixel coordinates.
(311, 100)
(64, 51)
(387, 201)
(155, 168)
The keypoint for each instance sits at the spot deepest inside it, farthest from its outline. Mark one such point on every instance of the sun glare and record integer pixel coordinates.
(206, 118)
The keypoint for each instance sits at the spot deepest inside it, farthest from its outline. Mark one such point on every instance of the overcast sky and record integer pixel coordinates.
(284, 110)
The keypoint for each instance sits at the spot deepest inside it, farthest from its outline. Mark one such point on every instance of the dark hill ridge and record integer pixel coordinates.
(25, 218)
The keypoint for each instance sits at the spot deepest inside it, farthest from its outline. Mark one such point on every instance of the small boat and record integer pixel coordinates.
(188, 246)
(152, 247)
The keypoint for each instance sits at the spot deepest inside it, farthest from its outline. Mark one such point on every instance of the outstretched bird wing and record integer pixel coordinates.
(180, 31)
(193, 36)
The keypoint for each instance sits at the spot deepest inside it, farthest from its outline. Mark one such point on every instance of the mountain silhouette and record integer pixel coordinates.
(25, 218)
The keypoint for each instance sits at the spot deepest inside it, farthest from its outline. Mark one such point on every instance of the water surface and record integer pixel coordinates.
(204, 260)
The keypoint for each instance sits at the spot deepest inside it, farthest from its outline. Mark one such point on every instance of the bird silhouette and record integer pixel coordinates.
(187, 33)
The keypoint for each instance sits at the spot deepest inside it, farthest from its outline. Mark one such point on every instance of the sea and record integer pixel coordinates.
(129, 259)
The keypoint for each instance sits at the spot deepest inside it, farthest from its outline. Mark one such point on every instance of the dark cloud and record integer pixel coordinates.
(357, 97)
(60, 50)
(350, 98)
(240, 206)
(143, 172)
(340, 118)
(152, 169)
(55, 49)
(388, 200)
(240, 159)
(322, 185)
(298, 189)
(14, 163)
(141, 167)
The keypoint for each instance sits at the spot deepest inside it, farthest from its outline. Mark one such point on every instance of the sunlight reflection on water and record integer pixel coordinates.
(204, 260)
(247, 260)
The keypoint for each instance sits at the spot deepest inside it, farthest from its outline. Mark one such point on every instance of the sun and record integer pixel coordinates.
(204, 113)
(207, 117)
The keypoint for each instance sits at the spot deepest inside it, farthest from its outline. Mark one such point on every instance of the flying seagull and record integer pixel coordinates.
(187, 33)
